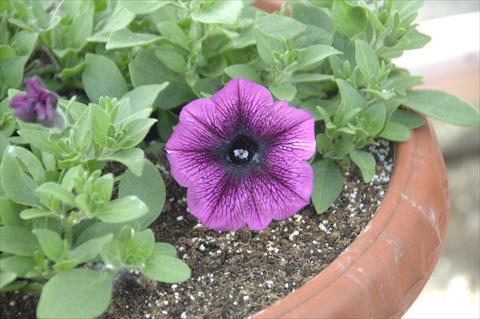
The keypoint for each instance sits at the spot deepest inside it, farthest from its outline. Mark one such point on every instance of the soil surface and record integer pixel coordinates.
(236, 274)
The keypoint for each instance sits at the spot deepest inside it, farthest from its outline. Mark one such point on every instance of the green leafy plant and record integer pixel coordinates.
(119, 61)
(62, 230)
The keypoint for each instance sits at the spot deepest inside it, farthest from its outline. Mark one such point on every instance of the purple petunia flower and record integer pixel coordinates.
(243, 157)
(38, 105)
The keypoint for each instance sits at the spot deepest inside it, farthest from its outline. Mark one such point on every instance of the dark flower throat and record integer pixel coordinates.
(242, 150)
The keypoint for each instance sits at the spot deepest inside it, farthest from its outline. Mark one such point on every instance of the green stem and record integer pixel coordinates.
(68, 232)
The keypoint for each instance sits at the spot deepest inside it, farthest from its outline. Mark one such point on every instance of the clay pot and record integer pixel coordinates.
(383, 271)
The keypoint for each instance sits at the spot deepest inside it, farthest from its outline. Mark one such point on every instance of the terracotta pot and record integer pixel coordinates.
(383, 271)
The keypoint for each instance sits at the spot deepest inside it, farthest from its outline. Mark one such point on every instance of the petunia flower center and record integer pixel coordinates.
(242, 150)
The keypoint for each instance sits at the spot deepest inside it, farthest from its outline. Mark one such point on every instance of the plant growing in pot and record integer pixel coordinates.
(242, 100)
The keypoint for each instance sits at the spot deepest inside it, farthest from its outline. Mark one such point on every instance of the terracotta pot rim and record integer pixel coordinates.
(401, 195)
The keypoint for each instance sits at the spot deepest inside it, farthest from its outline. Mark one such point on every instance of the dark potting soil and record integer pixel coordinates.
(236, 274)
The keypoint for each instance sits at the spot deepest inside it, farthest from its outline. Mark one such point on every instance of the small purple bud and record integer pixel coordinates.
(38, 105)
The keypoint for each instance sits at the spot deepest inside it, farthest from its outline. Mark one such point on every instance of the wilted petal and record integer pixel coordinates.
(38, 105)
(34, 86)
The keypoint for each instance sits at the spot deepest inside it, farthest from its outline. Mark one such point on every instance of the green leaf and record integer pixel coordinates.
(141, 244)
(12, 72)
(148, 187)
(113, 254)
(172, 59)
(80, 29)
(19, 265)
(323, 143)
(365, 162)
(283, 91)
(101, 125)
(142, 6)
(41, 140)
(72, 71)
(267, 46)
(17, 240)
(135, 131)
(6, 278)
(407, 10)
(146, 68)
(348, 19)
(350, 96)
(119, 19)
(443, 106)
(173, 33)
(166, 121)
(9, 212)
(210, 11)
(164, 249)
(366, 59)
(24, 42)
(242, 71)
(101, 77)
(328, 184)
(30, 162)
(143, 97)
(90, 249)
(373, 118)
(124, 38)
(166, 269)
(57, 191)
(32, 213)
(395, 132)
(50, 242)
(311, 77)
(310, 57)
(132, 158)
(122, 210)
(76, 293)
(81, 136)
(411, 120)
(311, 15)
(279, 26)
(342, 147)
(18, 186)
(403, 81)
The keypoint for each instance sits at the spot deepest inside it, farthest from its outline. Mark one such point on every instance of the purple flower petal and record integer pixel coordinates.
(190, 149)
(243, 104)
(242, 157)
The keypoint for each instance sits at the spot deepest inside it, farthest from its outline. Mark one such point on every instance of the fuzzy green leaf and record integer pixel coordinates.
(166, 269)
(17, 240)
(328, 184)
(366, 59)
(148, 187)
(76, 293)
(443, 106)
(122, 210)
(395, 132)
(242, 71)
(101, 77)
(124, 38)
(50, 242)
(210, 11)
(365, 162)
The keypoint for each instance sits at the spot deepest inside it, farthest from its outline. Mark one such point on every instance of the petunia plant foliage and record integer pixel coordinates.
(63, 231)
(259, 114)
